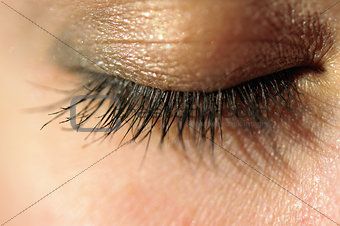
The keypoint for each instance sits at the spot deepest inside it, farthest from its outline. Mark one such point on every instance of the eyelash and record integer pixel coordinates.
(253, 105)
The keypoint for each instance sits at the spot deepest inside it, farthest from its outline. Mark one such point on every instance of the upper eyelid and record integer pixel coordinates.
(164, 76)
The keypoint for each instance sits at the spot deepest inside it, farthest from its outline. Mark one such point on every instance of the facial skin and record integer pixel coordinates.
(168, 189)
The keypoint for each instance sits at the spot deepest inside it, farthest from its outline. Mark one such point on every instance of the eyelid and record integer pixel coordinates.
(194, 116)
(159, 52)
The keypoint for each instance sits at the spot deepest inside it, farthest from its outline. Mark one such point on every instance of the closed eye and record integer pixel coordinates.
(200, 87)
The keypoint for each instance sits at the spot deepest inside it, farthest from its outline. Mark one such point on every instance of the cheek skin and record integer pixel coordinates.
(167, 190)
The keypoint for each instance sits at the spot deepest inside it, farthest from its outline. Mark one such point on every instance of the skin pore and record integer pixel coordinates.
(168, 189)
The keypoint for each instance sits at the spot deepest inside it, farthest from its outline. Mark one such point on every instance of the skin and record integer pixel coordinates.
(168, 189)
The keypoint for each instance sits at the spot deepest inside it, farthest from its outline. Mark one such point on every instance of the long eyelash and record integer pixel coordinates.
(142, 108)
